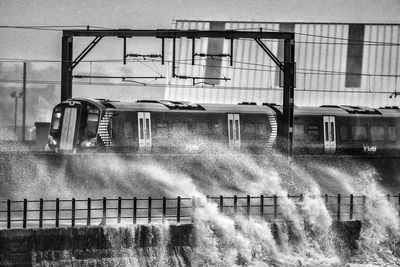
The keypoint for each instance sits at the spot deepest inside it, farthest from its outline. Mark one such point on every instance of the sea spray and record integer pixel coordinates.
(380, 223)
(239, 241)
(305, 236)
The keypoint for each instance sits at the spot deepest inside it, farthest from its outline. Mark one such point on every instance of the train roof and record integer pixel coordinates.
(244, 107)
(347, 110)
(173, 106)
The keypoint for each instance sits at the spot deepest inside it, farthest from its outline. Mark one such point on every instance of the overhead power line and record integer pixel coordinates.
(269, 68)
(364, 42)
(215, 87)
(57, 28)
(60, 28)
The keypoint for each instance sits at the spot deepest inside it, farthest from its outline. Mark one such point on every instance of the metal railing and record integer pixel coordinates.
(85, 212)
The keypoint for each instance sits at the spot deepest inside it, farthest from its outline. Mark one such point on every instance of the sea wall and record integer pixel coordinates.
(140, 245)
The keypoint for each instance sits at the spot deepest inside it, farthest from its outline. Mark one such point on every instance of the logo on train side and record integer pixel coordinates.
(369, 149)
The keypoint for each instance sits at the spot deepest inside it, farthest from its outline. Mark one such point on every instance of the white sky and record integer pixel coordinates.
(154, 14)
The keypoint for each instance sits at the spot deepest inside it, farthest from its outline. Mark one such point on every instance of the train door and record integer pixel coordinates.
(144, 131)
(70, 121)
(329, 134)
(234, 130)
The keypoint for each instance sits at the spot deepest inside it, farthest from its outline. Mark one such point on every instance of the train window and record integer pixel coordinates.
(161, 131)
(128, 130)
(179, 129)
(147, 129)
(298, 130)
(359, 133)
(326, 131)
(141, 132)
(313, 132)
(392, 133)
(200, 128)
(217, 127)
(377, 133)
(254, 129)
(237, 129)
(344, 133)
(91, 127)
(56, 120)
(230, 129)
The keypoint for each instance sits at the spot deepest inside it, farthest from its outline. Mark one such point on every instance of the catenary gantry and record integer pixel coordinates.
(287, 66)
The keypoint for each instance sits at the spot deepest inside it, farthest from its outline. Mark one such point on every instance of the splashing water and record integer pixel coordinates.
(303, 238)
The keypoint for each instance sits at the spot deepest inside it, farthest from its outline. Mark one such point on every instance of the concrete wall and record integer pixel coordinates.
(144, 245)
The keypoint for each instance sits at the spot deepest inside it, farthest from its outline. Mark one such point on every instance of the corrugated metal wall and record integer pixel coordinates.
(321, 56)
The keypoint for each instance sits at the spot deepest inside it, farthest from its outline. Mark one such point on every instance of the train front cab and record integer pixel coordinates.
(74, 125)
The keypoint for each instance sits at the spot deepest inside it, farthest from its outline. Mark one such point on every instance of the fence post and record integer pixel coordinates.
(89, 208)
(326, 200)
(221, 204)
(178, 210)
(41, 213)
(134, 209)
(149, 211)
(351, 206)
(73, 213)
(8, 213)
(119, 209)
(262, 206)
(208, 198)
(338, 207)
(164, 209)
(57, 212)
(104, 219)
(388, 197)
(193, 207)
(235, 204)
(275, 207)
(248, 206)
(25, 213)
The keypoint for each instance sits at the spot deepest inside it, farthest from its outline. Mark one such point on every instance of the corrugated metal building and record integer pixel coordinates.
(355, 64)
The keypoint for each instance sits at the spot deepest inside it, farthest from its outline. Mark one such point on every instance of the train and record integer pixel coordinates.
(163, 126)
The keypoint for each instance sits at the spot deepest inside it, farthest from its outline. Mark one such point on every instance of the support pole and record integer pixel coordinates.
(66, 68)
(89, 208)
(16, 116)
(231, 60)
(124, 56)
(193, 50)
(8, 214)
(23, 103)
(57, 212)
(288, 96)
(162, 51)
(173, 56)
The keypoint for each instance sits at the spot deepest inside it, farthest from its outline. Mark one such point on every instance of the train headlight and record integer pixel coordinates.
(51, 141)
(89, 143)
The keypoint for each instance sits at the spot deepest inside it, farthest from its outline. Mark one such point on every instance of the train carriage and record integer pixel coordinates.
(347, 130)
(160, 126)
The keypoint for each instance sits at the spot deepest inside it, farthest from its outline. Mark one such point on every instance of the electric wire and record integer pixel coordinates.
(189, 86)
(326, 37)
(57, 28)
(364, 42)
(183, 62)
